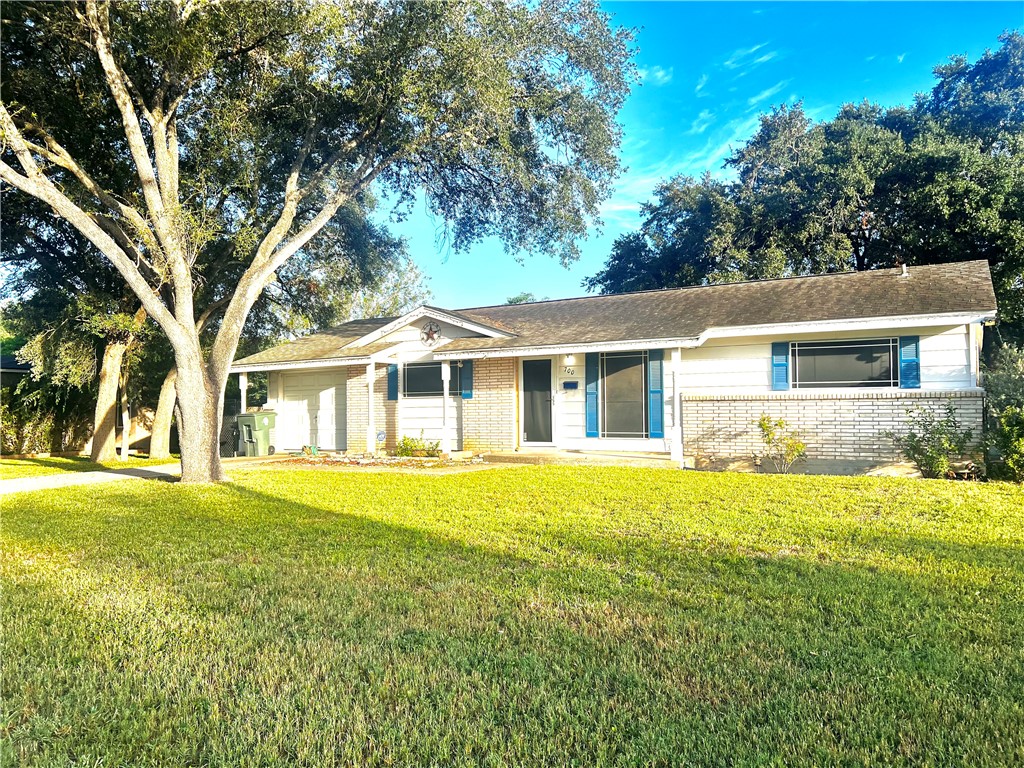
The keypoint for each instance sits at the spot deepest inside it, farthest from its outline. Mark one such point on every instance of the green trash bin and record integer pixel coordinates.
(254, 433)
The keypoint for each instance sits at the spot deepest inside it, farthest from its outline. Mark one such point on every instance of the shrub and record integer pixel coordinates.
(1008, 439)
(1004, 379)
(417, 446)
(782, 446)
(932, 442)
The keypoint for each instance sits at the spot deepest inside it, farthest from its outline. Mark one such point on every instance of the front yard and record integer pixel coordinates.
(528, 615)
(13, 469)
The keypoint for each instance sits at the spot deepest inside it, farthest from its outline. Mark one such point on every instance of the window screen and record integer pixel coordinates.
(624, 394)
(867, 363)
(424, 380)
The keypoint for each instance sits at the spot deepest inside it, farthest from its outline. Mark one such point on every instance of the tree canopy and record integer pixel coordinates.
(190, 139)
(939, 181)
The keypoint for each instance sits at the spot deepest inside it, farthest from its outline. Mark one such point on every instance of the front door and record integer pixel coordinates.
(537, 401)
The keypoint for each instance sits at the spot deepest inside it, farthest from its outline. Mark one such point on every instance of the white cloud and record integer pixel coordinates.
(767, 93)
(741, 56)
(703, 121)
(655, 75)
(869, 58)
(700, 85)
(900, 58)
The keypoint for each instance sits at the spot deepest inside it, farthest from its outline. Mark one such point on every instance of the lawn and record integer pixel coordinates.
(520, 616)
(11, 469)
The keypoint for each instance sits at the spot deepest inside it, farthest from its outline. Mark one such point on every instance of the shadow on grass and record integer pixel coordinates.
(276, 630)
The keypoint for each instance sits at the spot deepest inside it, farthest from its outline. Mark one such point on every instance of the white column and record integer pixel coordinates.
(972, 351)
(371, 425)
(243, 388)
(398, 403)
(677, 408)
(446, 378)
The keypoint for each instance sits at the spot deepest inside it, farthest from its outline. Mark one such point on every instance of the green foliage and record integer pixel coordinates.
(519, 616)
(521, 298)
(871, 188)
(417, 446)
(782, 446)
(931, 441)
(1004, 378)
(1008, 440)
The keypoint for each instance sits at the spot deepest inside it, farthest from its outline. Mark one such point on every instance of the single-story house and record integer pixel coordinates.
(683, 372)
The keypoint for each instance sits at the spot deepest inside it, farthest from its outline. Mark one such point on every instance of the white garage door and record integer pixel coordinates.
(312, 411)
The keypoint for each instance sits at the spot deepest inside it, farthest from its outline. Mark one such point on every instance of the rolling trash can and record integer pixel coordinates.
(254, 433)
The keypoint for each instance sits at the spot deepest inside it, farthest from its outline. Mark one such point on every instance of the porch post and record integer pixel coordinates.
(677, 408)
(446, 377)
(243, 388)
(371, 425)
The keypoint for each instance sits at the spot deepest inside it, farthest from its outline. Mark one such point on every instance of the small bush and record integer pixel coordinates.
(782, 446)
(1004, 379)
(933, 442)
(417, 446)
(1008, 439)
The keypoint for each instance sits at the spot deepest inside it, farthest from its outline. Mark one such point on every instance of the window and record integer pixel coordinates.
(624, 394)
(424, 380)
(866, 363)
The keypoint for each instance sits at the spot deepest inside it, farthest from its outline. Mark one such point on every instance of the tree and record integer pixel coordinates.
(523, 298)
(248, 126)
(871, 188)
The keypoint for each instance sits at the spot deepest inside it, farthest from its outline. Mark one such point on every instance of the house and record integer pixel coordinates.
(682, 372)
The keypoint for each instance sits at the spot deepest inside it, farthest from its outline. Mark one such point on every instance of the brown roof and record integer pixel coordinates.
(320, 346)
(963, 287)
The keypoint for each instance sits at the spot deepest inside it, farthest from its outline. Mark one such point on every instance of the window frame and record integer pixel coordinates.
(602, 391)
(892, 342)
(454, 385)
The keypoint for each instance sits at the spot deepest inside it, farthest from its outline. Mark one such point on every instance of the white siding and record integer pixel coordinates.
(422, 417)
(743, 365)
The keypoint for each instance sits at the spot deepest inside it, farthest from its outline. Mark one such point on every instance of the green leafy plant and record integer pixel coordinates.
(932, 441)
(782, 445)
(417, 446)
(1007, 439)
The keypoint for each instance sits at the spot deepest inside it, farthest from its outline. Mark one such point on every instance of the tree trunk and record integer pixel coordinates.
(104, 434)
(200, 405)
(57, 432)
(126, 421)
(160, 439)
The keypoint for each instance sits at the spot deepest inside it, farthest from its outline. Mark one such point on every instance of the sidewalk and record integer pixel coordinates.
(67, 479)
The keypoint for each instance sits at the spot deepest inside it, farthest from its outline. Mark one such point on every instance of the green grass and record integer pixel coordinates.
(11, 469)
(533, 615)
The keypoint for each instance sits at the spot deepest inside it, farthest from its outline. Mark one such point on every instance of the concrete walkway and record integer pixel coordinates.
(67, 479)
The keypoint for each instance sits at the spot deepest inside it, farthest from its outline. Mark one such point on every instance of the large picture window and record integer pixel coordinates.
(863, 363)
(424, 380)
(624, 394)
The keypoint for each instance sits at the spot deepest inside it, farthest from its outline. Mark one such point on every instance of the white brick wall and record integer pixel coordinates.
(837, 427)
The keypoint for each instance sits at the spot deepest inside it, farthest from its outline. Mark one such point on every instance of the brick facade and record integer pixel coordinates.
(842, 431)
(489, 417)
(384, 410)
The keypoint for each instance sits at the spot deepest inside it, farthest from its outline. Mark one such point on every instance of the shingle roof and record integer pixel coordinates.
(320, 346)
(963, 287)
(688, 312)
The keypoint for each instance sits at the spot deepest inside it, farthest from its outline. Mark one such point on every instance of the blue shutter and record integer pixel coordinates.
(910, 362)
(392, 382)
(593, 429)
(780, 365)
(656, 393)
(467, 379)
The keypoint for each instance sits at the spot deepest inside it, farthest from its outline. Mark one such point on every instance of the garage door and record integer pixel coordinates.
(312, 411)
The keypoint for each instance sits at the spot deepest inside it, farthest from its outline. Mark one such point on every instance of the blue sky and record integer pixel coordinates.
(708, 70)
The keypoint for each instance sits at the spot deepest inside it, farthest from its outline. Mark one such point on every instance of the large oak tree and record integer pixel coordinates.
(247, 126)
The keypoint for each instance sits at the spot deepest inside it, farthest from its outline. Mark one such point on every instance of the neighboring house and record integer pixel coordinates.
(685, 372)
